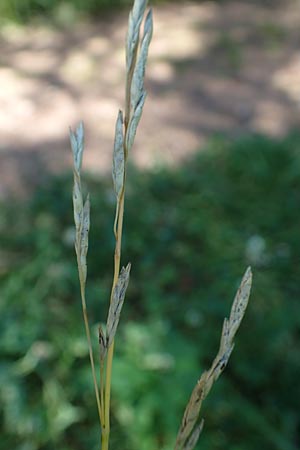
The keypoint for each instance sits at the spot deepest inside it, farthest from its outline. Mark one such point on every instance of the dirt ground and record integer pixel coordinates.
(230, 68)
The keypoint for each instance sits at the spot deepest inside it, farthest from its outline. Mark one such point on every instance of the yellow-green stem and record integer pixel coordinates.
(104, 439)
(102, 389)
(117, 260)
(88, 335)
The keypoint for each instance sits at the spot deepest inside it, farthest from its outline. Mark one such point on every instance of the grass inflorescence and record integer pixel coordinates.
(125, 131)
(137, 45)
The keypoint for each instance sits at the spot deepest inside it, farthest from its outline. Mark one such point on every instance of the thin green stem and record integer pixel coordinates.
(102, 389)
(118, 229)
(117, 260)
(88, 335)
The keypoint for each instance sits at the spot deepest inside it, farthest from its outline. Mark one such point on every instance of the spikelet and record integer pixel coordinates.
(137, 86)
(81, 211)
(134, 121)
(102, 343)
(193, 439)
(132, 39)
(84, 237)
(77, 144)
(118, 166)
(136, 59)
(191, 412)
(189, 432)
(77, 203)
(240, 304)
(116, 304)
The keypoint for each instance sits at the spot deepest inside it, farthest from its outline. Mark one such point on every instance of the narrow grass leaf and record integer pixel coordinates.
(116, 304)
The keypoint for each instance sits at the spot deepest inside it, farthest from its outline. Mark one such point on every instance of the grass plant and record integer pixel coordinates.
(125, 131)
(137, 46)
(126, 126)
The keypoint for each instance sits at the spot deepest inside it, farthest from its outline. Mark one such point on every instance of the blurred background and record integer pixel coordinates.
(213, 186)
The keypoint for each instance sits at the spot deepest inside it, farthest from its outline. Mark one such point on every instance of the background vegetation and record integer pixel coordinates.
(24, 10)
(189, 233)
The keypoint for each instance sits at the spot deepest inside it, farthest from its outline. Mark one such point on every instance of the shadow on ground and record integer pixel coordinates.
(229, 68)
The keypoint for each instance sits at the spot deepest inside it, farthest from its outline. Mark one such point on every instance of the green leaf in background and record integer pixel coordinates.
(189, 232)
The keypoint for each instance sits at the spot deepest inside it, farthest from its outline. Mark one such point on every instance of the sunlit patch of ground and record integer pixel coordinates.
(228, 68)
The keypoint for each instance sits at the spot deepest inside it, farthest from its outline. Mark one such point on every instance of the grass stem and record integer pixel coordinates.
(117, 261)
(88, 335)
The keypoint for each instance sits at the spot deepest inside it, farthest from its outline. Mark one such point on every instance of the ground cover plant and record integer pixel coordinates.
(250, 193)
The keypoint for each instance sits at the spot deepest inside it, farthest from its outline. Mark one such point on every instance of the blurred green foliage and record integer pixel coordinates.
(190, 232)
(25, 10)
(66, 10)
